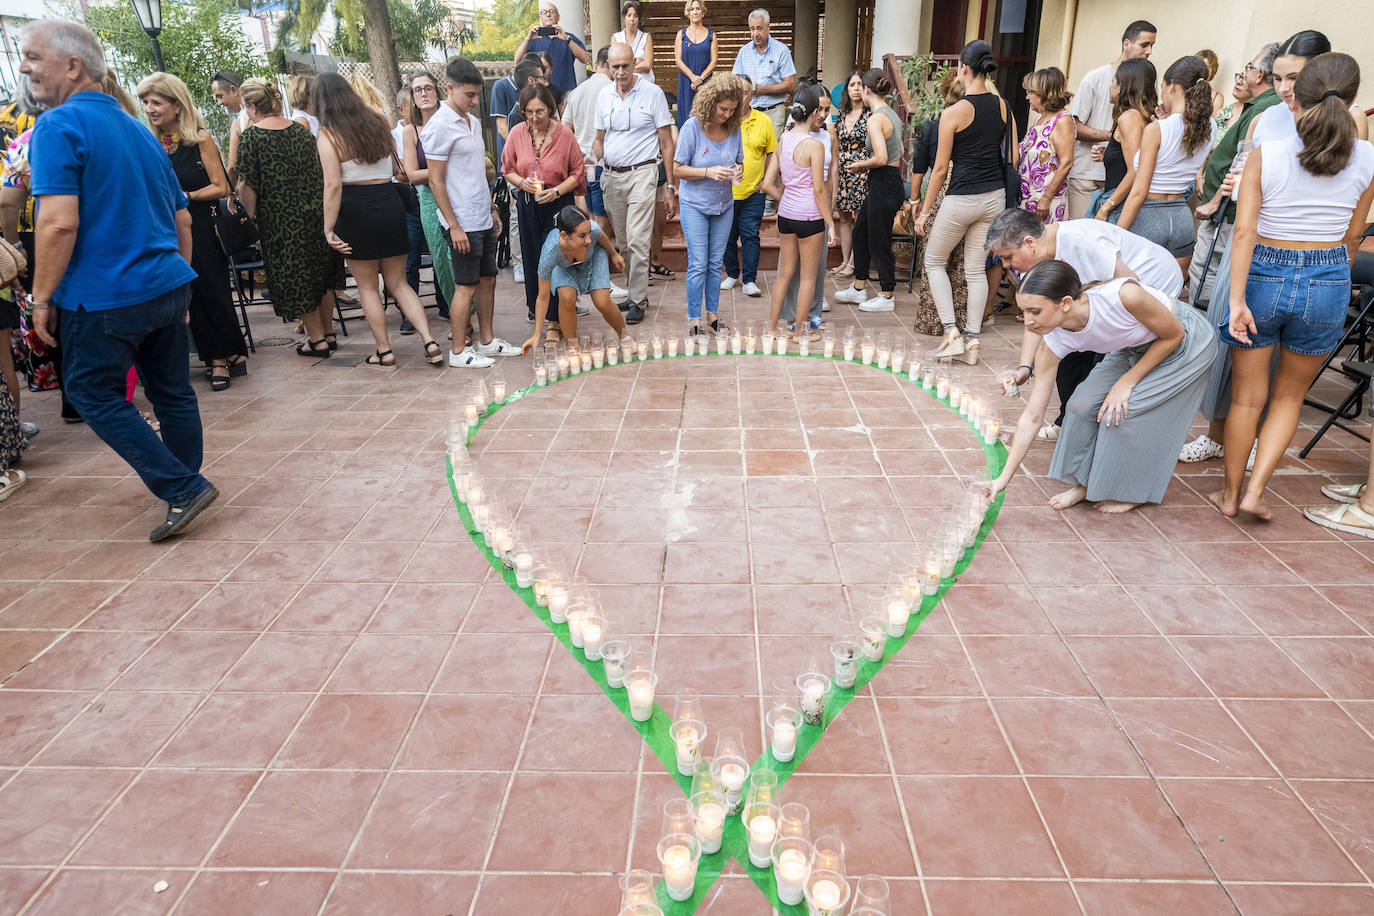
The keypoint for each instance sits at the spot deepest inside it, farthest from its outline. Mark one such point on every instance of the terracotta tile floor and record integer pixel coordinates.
(325, 702)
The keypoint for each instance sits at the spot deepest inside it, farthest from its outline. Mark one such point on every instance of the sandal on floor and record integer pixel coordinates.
(1347, 517)
(239, 367)
(658, 270)
(219, 382)
(315, 349)
(434, 353)
(333, 341)
(1344, 493)
(11, 482)
(378, 360)
(1048, 433)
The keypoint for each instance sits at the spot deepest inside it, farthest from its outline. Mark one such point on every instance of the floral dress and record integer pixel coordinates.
(1038, 165)
(853, 143)
(32, 357)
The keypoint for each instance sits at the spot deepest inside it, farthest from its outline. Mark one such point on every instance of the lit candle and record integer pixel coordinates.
(791, 873)
(875, 642)
(627, 349)
(591, 640)
(965, 399)
(825, 894)
(813, 700)
(672, 346)
(586, 361)
(1009, 384)
(956, 390)
(762, 829)
(658, 347)
(575, 618)
(710, 821)
(884, 357)
(689, 346)
(687, 741)
(643, 350)
(721, 343)
(562, 365)
(767, 343)
(612, 356)
(558, 603)
(942, 388)
(498, 390)
(949, 558)
(804, 345)
(574, 363)
(732, 777)
(598, 357)
(913, 371)
(750, 342)
(927, 376)
(736, 343)
(679, 871)
(849, 350)
(897, 357)
(784, 741)
(830, 348)
(992, 428)
(524, 569)
(470, 413)
(780, 345)
(897, 612)
(867, 352)
(641, 695)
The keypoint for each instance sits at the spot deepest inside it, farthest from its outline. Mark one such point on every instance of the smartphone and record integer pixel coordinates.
(546, 30)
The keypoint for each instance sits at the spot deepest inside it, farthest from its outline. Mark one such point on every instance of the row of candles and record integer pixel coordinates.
(779, 838)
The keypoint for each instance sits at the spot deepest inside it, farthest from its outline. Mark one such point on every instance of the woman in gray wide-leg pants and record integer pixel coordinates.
(1134, 461)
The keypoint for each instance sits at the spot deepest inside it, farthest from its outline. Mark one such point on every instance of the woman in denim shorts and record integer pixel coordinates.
(1301, 208)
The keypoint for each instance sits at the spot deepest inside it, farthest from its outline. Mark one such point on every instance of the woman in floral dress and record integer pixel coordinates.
(851, 132)
(1047, 148)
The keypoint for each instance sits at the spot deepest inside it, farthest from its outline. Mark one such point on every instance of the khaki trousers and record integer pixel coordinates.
(1080, 193)
(629, 198)
(967, 217)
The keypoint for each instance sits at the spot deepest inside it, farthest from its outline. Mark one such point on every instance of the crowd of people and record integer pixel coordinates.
(1169, 253)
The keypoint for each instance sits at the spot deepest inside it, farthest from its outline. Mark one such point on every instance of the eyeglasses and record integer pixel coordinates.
(547, 12)
(423, 89)
(1241, 76)
(531, 112)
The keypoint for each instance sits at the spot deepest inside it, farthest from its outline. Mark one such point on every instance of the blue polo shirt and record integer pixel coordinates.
(126, 248)
(564, 74)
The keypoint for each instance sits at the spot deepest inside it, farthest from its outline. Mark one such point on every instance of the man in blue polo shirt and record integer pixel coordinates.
(114, 278)
(769, 64)
(567, 50)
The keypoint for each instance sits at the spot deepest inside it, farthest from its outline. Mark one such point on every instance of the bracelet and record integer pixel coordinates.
(1029, 369)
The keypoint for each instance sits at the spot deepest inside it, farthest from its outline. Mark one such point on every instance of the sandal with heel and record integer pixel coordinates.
(378, 360)
(313, 349)
(434, 354)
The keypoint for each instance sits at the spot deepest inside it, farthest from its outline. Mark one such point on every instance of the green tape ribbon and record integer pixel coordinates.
(655, 731)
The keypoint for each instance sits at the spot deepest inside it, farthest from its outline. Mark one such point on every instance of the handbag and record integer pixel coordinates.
(235, 229)
(410, 198)
(1010, 175)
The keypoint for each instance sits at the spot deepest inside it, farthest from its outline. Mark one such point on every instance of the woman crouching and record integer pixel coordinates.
(576, 259)
(1125, 423)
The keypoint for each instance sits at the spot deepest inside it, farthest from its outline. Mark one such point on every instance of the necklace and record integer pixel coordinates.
(170, 142)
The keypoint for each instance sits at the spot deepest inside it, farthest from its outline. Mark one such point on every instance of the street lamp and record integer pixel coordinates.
(149, 13)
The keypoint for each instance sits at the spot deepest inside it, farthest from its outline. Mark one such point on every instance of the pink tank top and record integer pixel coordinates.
(798, 194)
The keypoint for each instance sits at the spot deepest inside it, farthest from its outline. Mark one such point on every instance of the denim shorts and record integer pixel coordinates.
(595, 202)
(1298, 298)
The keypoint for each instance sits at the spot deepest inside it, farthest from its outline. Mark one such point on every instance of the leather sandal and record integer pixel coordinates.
(378, 360)
(315, 349)
(219, 382)
(433, 353)
(333, 341)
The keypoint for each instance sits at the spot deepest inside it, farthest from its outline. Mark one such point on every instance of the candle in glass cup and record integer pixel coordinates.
(613, 655)
(828, 343)
(558, 602)
(898, 610)
(689, 344)
(927, 376)
(873, 630)
(1008, 380)
(470, 413)
(639, 685)
(780, 345)
(782, 732)
(845, 653)
(541, 375)
(574, 362)
(750, 341)
(804, 345)
(612, 354)
(965, 399)
(942, 387)
(813, 687)
(992, 429)
(642, 350)
(897, 357)
(703, 344)
(577, 614)
(790, 870)
(524, 568)
(868, 350)
(956, 390)
(732, 776)
(658, 347)
(849, 349)
(672, 346)
(763, 827)
(768, 342)
(679, 865)
(587, 362)
(627, 349)
(687, 736)
(826, 896)
(592, 634)
(563, 364)
(884, 358)
(498, 388)
(710, 822)
(736, 343)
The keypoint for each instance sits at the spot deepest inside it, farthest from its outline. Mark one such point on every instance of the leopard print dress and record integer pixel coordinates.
(283, 168)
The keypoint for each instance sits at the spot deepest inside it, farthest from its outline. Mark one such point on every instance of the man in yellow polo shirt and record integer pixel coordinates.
(760, 143)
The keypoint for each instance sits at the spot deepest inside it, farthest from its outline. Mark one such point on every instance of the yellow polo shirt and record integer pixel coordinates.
(759, 140)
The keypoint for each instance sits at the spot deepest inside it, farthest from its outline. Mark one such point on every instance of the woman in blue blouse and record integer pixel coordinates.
(708, 160)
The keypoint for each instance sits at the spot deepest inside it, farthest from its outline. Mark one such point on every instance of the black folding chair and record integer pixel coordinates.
(241, 268)
(1358, 341)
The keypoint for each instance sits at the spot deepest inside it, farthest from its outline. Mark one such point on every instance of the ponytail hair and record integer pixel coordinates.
(805, 101)
(977, 56)
(1190, 74)
(569, 218)
(1054, 280)
(1325, 90)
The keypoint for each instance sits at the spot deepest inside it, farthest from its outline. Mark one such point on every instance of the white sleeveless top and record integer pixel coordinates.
(823, 135)
(1294, 203)
(1174, 168)
(637, 48)
(352, 171)
(1274, 123)
(1110, 326)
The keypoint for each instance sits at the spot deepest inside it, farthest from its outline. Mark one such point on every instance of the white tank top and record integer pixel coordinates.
(1110, 326)
(1295, 204)
(1174, 168)
(1274, 123)
(637, 48)
(352, 171)
(823, 135)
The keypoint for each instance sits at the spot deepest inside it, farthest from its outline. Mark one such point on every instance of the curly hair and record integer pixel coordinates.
(722, 87)
(1190, 74)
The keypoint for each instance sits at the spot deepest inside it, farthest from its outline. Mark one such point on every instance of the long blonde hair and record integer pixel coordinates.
(370, 96)
(171, 88)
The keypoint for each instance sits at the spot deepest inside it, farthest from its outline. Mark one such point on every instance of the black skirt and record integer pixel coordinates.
(372, 219)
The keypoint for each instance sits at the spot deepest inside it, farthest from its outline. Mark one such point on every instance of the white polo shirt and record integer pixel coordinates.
(631, 123)
(457, 141)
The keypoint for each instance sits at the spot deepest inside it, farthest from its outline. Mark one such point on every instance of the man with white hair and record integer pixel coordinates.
(548, 35)
(769, 65)
(116, 241)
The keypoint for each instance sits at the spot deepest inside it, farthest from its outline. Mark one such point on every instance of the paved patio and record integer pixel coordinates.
(324, 701)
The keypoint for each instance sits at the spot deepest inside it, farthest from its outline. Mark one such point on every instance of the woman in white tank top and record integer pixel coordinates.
(1124, 424)
(641, 43)
(1301, 209)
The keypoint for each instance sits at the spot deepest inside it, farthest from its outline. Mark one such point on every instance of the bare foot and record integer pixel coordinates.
(1069, 498)
(1112, 507)
(1219, 500)
(1254, 505)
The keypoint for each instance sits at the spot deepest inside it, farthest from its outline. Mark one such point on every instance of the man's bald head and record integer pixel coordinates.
(622, 62)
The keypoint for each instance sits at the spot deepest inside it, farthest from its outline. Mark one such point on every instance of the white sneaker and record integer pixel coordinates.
(1203, 448)
(469, 359)
(519, 272)
(28, 430)
(825, 305)
(851, 295)
(619, 293)
(498, 347)
(582, 310)
(878, 304)
(729, 282)
(751, 289)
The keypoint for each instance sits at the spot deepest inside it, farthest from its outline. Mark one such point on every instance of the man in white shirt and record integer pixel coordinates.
(579, 113)
(1092, 112)
(457, 161)
(633, 129)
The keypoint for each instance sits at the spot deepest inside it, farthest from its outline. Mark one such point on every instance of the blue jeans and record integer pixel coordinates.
(416, 233)
(745, 229)
(705, 234)
(595, 202)
(98, 349)
(1298, 298)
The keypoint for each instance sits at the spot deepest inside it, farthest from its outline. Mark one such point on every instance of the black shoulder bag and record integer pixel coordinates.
(1010, 174)
(235, 229)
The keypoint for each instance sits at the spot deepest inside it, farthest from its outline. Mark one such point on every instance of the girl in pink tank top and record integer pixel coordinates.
(805, 225)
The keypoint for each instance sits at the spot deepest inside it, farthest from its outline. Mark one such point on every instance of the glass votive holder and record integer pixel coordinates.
(873, 633)
(541, 373)
(813, 684)
(871, 897)
(481, 521)
(577, 615)
(1007, 379)
(585, 355)
(613, 655)
(722, 343)
(898, 355)
(593, 635)
(642, 350)
(768, 337)
(780, 344)
(703, 344)
(844, 651)
(598, 356)
(795, 820)
(761, 823)
(941, 386)
(884, 358)
(657, 343)
(558, 599)
(709, 818)
(827, 889)
(730, 768)
(763, 788)
(574, 361)
(736, 343)
(639, 686)
(992, 429)
(524, 567)
(950, 552)
(471, 413)
(751, 340)
(641, 909)
(679, 853)
(498, 387)
(687, 705)
(563, 362)
(782, 721)
(804, 344)
(687, 737)
(828, 343)
(927, 376)
(897, 607)
(965, 401)
(868, 349)
(849, 348)
(636, 887)
(791, 858)
(627, 348)
(689, 344)
(930, 572)
(956, 389)
(977, 407)
(672, 345)
(612, 355)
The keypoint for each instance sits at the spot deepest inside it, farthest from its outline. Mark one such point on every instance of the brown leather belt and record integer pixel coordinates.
(630, 168)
